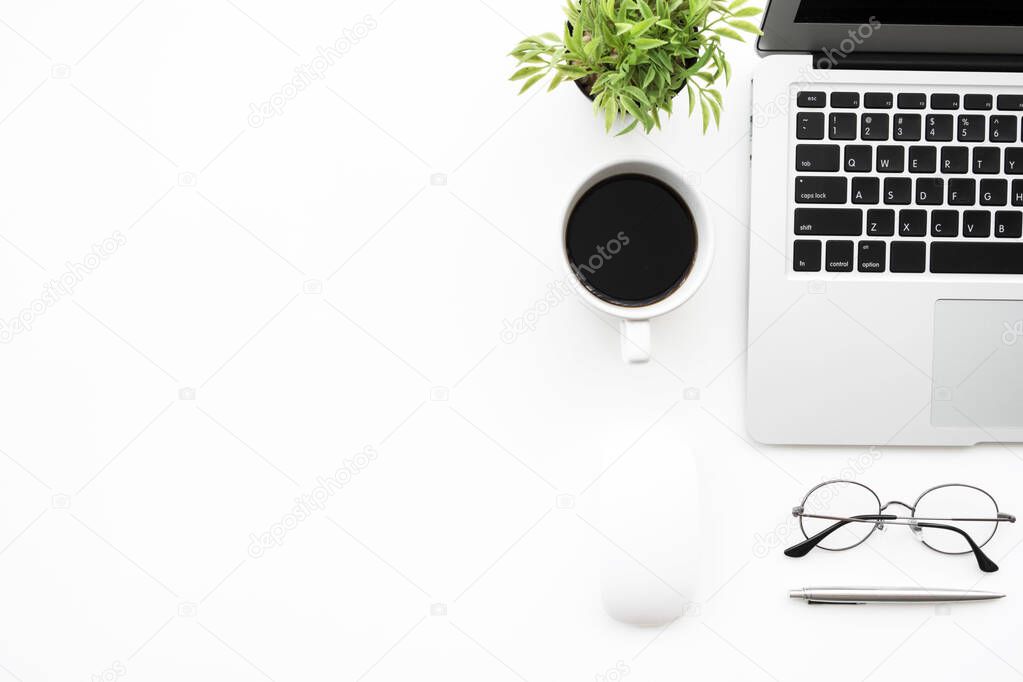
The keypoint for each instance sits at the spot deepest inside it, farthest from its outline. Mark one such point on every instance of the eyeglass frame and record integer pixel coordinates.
(913, 521)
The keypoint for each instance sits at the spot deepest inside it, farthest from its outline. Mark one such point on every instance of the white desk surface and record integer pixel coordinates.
(127, 507)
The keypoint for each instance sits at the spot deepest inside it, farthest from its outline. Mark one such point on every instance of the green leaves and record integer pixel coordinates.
(648, 43)
(525, 72)
(747, 12)
(642, 27)
(744, 25)
(727, 33)
(635, 56)
(533, 80)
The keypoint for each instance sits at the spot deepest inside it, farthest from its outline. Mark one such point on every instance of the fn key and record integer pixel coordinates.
(806, 256)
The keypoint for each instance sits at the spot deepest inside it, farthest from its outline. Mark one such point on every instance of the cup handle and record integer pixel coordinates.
(635, 341)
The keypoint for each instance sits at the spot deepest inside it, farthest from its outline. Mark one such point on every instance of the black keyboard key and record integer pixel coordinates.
(912, 223)
(930, 191)
(858, 158)
(1008, 224)
(909, 256)
(874, 127)
(1017, 192)
(976, 224)
(1002, 129)
(962, 192)
(971, 128)
(829, 222)
(866, 190)
(944, 101)
(878, 100)
(838, 256)
(823, 158)
(872, 257)
(811, 99)
(978, 102)
(891, 159)
(955, 159)
(994, 192)
(989, 258)
(925, 160)
(906, 127)
(944, 223)
(1010, 102)
(940, 127)
(845, 100)
(809, 126)
(987, 160)
(880, 222)
(898, 191)
(806, 256)
(821, 190)
(842, 126)
(912, 100)
(1014, 161)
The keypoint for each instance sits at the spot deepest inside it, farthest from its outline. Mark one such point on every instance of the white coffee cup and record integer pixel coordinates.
(635, 320)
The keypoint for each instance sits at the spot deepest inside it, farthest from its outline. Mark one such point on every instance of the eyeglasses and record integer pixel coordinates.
(952, 519)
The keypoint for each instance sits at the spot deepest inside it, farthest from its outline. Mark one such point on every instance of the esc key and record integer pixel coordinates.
(811, 99)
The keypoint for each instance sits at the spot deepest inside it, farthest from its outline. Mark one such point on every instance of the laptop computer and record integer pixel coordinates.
(886, 254)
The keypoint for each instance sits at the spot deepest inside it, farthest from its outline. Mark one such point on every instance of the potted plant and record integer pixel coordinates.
(632, 57)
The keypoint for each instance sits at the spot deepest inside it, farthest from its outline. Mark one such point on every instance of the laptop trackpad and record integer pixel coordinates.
(978, 364)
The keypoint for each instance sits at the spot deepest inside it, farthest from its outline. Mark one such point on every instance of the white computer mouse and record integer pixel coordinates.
(650, 509)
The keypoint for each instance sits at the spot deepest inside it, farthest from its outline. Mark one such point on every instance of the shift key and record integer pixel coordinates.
(829, 222)
(826, 190)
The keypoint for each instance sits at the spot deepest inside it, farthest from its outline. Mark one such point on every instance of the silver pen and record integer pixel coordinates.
(888, 595)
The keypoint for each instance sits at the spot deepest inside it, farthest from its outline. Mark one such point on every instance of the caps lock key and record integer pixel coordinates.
(821, 190)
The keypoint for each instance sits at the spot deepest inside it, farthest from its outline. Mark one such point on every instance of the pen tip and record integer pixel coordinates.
(796, 594)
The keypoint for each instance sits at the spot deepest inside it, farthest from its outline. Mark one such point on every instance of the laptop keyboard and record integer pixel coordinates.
(908, 182)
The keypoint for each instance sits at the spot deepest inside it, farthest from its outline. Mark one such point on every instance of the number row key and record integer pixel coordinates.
(908, 127)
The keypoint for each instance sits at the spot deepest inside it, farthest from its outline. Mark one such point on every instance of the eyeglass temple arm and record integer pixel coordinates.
(804, 547)
(983, 561)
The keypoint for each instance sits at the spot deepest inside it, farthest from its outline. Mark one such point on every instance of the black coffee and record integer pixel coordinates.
(631, 240)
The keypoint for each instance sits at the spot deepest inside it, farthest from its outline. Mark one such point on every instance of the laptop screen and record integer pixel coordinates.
(978, 27)
(945, 12)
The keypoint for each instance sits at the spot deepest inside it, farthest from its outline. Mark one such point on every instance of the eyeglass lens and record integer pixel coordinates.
(951, 502)
(843, 499)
